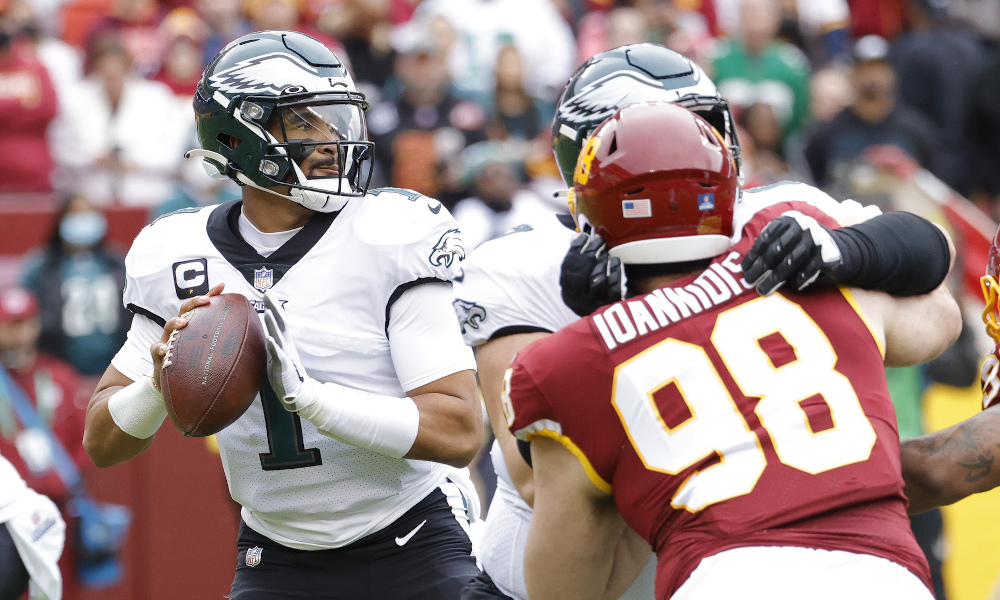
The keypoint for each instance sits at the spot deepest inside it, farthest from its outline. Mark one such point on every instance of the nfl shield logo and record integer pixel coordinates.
(706, 201)
(263, 278)
(253, 556)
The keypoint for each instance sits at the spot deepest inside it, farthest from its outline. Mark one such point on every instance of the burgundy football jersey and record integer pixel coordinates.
(721, 419)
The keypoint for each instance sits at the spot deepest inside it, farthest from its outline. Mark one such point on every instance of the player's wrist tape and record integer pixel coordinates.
(898, 252)
(384, 424)
(138, 408)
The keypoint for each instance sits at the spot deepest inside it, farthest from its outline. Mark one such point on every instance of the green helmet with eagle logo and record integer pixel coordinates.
(268, 101)
(628, 75)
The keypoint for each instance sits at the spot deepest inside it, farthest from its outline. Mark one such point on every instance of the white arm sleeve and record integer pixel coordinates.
(134, 360)
(424, 337)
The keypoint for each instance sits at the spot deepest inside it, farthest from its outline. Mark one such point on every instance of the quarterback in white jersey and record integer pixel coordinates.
(354, 450)
(296, 485)
(32, 534)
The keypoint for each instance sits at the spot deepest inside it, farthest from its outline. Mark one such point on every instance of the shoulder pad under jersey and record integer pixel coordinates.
(511, 283)
(426, 238)
(786, 194)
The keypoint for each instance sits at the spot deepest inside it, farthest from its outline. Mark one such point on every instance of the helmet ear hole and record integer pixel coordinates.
(229, 141)
(613, 146)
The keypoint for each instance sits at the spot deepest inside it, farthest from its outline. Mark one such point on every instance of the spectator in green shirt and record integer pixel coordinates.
(757, 67)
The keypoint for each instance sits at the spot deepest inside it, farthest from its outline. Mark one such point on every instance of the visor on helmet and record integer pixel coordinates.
(327, 142)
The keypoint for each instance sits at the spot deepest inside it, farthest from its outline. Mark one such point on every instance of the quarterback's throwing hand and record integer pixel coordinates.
(589, 278)
(794, 249)
(284, 370)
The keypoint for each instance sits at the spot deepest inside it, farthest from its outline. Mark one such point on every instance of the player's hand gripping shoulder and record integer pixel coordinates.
(589, 277)
(384, 424)
(124, 415)
(795, 249)
(899, 253)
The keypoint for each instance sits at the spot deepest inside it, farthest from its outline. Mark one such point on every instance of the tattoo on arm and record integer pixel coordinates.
(978, 469)
(968, 447)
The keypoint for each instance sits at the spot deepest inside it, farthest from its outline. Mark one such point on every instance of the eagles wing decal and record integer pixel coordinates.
(601, 99)
(268, 73)
(448, 249)
(469, 314)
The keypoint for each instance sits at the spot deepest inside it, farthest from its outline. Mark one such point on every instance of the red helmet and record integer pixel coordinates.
(991, 289)
(658, 183)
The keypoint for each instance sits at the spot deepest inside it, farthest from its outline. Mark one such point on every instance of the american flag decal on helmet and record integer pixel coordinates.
(637, 209)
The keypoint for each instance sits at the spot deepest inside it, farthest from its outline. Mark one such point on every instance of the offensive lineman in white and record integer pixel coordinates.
(350, 464)
(510, 295)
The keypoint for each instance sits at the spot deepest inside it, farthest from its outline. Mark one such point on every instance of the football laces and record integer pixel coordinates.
(171, 340)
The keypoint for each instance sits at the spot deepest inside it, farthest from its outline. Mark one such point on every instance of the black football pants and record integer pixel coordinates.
(482, 588)
(434, 563)
(13, 575)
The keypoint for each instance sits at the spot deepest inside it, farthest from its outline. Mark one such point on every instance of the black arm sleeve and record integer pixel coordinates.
(898, 252)
(525, 449)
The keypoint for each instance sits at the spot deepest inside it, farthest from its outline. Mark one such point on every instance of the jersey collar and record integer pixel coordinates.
(223, 231)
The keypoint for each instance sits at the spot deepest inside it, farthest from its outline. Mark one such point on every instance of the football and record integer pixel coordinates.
(213, 367)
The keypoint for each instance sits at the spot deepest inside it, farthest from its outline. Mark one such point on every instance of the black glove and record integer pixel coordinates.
(589, 277)
(794, 248)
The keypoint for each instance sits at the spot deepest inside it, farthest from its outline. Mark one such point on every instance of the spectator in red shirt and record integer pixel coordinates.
(28, 103)
(54, 388)
(182, 63)
(136, 23)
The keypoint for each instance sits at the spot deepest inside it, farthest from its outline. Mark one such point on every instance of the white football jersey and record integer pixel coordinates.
(37, 530)
(337, 279)
(847, 212)
(13, 490)
(511, 284)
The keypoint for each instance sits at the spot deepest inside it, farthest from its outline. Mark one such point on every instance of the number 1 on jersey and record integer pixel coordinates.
(286, 448)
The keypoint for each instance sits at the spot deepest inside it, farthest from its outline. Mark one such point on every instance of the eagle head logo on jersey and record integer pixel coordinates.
(469, 314)
(448, 249)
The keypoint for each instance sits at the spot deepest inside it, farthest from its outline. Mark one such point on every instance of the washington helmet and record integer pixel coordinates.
(658, 184)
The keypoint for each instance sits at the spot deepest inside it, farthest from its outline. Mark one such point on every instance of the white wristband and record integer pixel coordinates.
(384, 424)
(138, 409)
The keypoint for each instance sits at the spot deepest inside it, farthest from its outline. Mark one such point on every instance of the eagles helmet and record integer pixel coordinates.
(616, 78)
(654, 202)
(278, 108)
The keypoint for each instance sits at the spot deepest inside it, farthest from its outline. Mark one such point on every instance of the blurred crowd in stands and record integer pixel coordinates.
(95, 95)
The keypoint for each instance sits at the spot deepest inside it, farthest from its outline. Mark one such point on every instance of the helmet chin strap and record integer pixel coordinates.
(318, 201)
